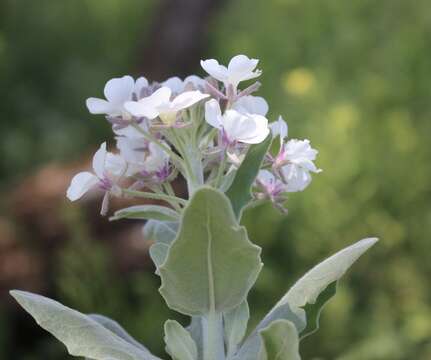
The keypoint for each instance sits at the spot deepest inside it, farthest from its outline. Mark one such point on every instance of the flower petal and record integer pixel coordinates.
(213, 113)
(187, 99)
(80, 184)
(99, 161)
(99, 106)
(175, 84)
(279, 128)
(251, 105)
(217, 71)
(119, 90)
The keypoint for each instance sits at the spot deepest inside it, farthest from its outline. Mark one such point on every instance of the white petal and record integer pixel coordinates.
(99, 161)
(213, 113)
(119, 90)
(252, 105)
(115, 165)
(140, 84)
(130, 132)
(242, 64)
(80, 184)
(100, 106)
(213, 68)
(141, 108)
(279, 128)
(266, 176)
(187, 99)
(297, 178)
(175, 84)
(195, 80)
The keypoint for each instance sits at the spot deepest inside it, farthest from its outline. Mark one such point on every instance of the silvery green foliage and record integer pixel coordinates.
(218, 138)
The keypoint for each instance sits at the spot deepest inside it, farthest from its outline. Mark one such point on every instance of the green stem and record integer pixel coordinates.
(154, 196)
(150, 137)
(213, 337)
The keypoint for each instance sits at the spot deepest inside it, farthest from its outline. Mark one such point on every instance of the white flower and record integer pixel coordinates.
(159, 104)
(108, 168)
(240, 68)
(142, 156)
(236, 127)
(251, 105)
(295, 162)
(178, 86)
(117, 91)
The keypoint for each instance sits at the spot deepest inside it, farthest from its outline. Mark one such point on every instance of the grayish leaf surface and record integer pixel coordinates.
(211, 265)
(82, 335)
(179, 343)
(279, 341)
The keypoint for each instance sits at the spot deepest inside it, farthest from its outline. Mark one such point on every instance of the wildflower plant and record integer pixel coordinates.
(215, 134)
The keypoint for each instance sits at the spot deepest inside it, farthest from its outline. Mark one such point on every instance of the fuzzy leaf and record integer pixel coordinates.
(158, 253)
(235, 326)
(313, 311)
(82, 335)
(157, 212)
(280, 341)
(211, 265)
(117, 329)
(305, 291)
(179, 343)
(195, 330)
(239, 192)
(160, 231)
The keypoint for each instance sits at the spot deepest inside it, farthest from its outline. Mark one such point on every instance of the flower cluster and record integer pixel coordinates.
(198, 127)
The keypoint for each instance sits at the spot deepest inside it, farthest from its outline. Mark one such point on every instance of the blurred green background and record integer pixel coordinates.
(352, 76)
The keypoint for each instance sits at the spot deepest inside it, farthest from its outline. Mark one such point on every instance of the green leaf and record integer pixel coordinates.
(116, 328)
(313, 310)
(161, 231)
(240, 191)
(82, 335)
(179, 343)
(280, 341)
(235, 326)
(157, 212)
(306, 291)
(158, 253)
(211, 265)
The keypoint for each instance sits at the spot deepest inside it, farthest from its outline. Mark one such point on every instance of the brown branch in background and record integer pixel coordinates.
(177, 37)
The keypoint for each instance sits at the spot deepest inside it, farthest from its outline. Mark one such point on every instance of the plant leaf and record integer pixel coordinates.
(239, 192)
(117, 329)
(161, 231)
(279, 341)
(82, 335)
(158, 253)
(157, 212)
(179, 343)
(235, 326)
(313, 311)
(211, 265)
(306, 290)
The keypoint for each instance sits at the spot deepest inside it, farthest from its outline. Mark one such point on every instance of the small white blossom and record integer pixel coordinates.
(159, 104)
(251, 105)
(295, 162)
(240, 68)
(142, 156)
(108, 169)
(178, 86)
(236, 127)
(117, 92)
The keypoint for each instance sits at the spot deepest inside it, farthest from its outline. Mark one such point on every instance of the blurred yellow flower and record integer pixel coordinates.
(298, 82)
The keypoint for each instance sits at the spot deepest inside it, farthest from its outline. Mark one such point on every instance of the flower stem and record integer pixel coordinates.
(213, 337)
(155, 196)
